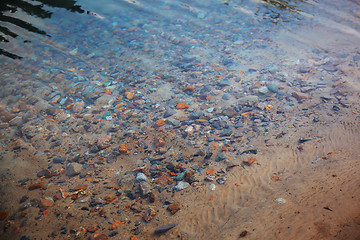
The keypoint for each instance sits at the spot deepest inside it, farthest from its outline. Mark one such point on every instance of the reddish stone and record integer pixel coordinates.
(182, 106)
(173, 208)
(46, 203)
(92, 229)
(35, 186)
(164, 180)
(160, 123)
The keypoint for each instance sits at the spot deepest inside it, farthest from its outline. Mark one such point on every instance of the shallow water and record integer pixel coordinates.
(267, 135)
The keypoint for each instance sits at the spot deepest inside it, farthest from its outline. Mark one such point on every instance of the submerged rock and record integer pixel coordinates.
(73, 169)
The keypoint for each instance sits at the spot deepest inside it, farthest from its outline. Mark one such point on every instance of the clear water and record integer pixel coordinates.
(288, 56)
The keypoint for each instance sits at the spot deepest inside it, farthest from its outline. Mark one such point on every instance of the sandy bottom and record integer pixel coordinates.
(282, 195)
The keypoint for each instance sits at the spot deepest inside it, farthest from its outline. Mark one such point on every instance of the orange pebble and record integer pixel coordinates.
(123, 148)
(160, 123)
(182, 106)
(210, 171)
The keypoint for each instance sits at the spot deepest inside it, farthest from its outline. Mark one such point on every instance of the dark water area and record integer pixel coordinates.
(216, 119)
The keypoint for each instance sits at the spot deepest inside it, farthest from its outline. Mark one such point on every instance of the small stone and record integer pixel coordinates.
(224, 83)
(169, 112)
(196, 115)
(174, 122)
(182, 106)
(181, 186)
(273, 87)
(59, 160)
(230, 112)
(189, 130)
(141, 177)
(280, 200)
(173, 208)
(103, 142)
(123, 148)
(46, 202)
(145, 189)
(263, 90)
(160, 123)
(226, 97)
(73, 169)
(248, 100)
(78, 107)
(220, 157)
(300, 96)
(212, 187)
(221, 180)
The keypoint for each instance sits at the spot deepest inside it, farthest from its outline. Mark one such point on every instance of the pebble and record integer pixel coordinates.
(221, 180)
(273, 87)
(46, 202)
(181, 186)
(224, 83)
(212, 187)
(141, 177)
(300, 96)
(220, 157)
(248, 100)
(59, 160)
(174, 122)
(230, 112)
(169, 112)
(263, 90)
(73, 169)
(280, 200)
(145, 189)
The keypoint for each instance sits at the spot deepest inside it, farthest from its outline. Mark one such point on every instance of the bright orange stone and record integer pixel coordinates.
(182, 106)
(123, 148)
(160, 123)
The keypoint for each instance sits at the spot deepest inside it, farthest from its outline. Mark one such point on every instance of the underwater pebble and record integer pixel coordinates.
(181, 186)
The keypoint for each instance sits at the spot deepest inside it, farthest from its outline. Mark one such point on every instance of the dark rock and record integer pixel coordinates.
(23, 198)
(250, 151)
(226, 132)
(43, 173)
(164, 229)
(94, 149)
(221, 180)
(59, 160)
(336, 108)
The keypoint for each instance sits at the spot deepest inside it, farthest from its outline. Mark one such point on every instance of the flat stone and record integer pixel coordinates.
(73, 169)
(181, 186)
(169, 112)
(173, 121)
(59, 160)
(248, 100)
